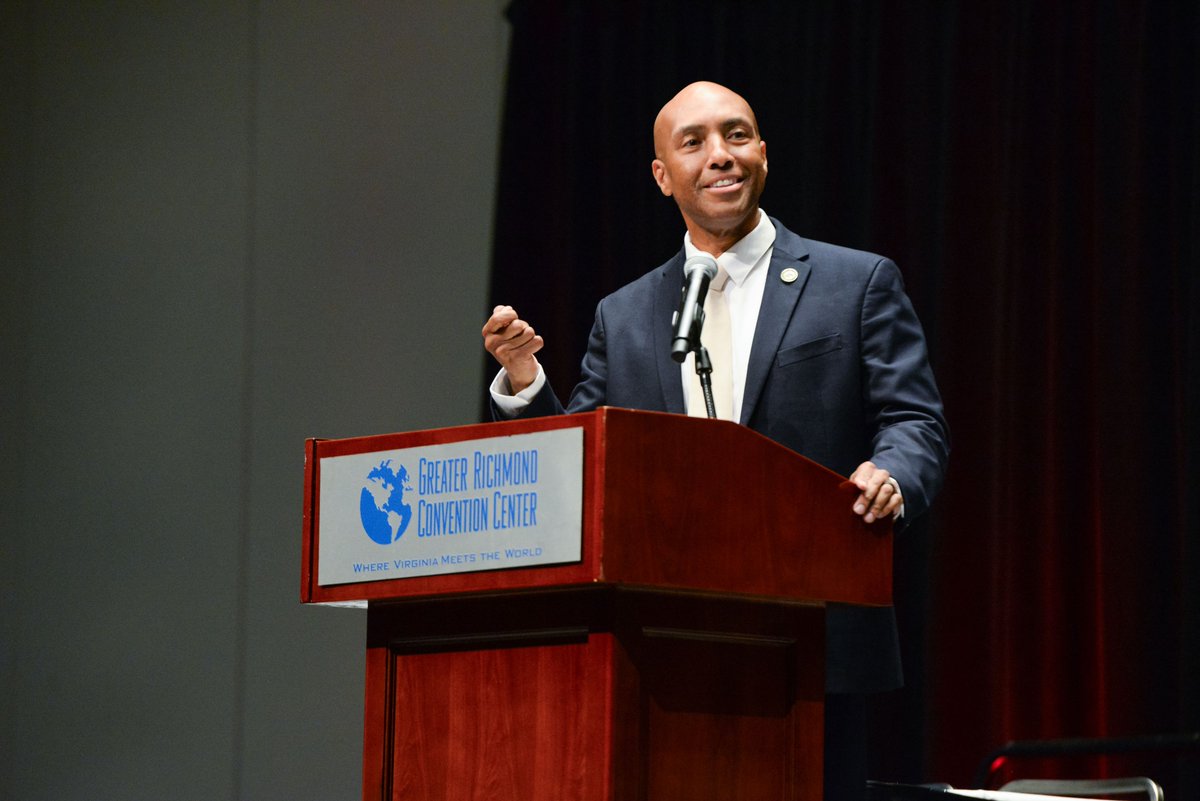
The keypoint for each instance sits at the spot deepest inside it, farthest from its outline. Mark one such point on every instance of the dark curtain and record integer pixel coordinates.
(1034, 168)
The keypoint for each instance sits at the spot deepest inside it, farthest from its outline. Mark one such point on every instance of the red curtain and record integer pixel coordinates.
(1064, 600)
(1034, 169)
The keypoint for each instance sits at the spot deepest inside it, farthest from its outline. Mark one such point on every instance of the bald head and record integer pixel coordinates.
(712, 162)
(691, 99)
(710, 159)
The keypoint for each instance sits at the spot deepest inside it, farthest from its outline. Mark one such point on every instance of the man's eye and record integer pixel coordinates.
(739, 135)
(691, 142)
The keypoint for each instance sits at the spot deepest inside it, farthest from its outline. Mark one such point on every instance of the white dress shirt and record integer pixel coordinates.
(746, 263)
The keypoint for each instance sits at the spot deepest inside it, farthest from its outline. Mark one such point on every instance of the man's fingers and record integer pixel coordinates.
(526, 343)
(878, 497)
(515, 334)
(887, 502)
(870, 481)
(502, 317)
(880, 503)
(865, 473)
(868, 503)
(505, 335)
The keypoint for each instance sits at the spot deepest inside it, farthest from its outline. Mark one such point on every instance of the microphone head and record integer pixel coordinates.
(701, 261)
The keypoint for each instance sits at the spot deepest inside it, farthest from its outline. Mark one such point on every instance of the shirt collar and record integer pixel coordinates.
(747, 252)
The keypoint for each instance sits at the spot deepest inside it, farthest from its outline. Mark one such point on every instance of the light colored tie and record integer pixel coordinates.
(717, 338)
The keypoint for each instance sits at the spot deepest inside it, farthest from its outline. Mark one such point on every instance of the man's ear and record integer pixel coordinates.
(660, 176)
(762, 146)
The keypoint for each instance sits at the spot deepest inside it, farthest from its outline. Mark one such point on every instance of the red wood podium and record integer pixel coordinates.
(681, 659)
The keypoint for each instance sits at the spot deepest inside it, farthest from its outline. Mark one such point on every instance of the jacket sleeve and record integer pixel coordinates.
(592, 390)
(901, 401)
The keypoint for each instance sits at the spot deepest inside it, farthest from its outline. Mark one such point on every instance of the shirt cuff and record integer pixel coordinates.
(508, 404)
(899, 513)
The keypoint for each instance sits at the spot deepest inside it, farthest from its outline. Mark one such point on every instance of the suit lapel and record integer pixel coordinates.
(666, 303)
(778, 304)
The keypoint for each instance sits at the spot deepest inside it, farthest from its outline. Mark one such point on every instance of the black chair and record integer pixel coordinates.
(1150, 754)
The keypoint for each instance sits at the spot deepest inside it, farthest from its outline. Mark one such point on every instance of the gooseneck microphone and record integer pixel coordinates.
(698, 271)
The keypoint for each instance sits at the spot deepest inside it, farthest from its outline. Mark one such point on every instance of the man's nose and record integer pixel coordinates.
(718, 155)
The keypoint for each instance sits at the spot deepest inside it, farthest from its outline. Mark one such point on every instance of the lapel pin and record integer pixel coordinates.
(789, 275)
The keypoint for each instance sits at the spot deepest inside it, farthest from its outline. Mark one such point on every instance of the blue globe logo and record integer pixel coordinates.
(381, 505)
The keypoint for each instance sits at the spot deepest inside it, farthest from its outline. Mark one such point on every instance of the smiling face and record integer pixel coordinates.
(709, 157)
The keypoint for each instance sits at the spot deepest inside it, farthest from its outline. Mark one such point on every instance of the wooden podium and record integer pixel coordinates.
(681, 659)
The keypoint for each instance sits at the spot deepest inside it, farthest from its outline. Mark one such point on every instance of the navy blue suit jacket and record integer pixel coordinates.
(838, 372)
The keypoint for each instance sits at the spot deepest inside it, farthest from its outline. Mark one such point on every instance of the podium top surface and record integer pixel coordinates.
(667, 502)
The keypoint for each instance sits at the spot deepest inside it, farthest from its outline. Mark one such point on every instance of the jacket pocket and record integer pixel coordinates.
(809, 350)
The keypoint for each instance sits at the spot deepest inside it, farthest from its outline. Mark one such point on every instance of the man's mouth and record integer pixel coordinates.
(724, 182)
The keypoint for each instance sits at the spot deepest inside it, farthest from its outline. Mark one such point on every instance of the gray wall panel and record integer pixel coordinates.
(135, 232)
(227, 227)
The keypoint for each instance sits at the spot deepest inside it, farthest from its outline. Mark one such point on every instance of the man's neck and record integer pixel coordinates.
(716, 242)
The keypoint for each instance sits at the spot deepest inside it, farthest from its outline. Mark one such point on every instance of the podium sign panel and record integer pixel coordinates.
(484, 504)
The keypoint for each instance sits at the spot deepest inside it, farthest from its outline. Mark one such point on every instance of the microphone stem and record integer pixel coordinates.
(704, 371)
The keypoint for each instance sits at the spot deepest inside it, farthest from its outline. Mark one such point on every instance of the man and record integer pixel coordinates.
(827, 357)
